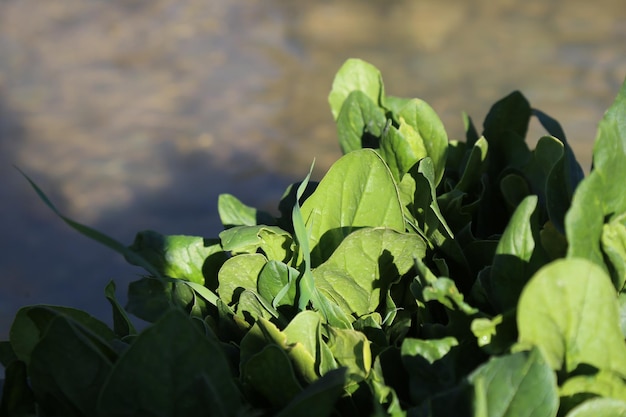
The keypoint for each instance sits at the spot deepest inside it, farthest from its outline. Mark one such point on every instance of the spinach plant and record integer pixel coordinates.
(421, 276)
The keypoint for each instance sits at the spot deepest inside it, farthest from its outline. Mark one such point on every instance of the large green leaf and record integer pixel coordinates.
(270, 373)
(31, 324)
(355, 75)
(600, 197)
(569, 310)
(171, 369)
(360, 272)
(17, 396)
(54, 372)
(430, 365)
(358, 191)
(318, 399)
(521, 384)
(179, 256)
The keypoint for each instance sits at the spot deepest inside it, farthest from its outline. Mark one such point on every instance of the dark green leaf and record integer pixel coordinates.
(31, 323)
(430, 365)
(318, 399)
(510, 114)
(518, 256)
(122, 326)
(58, 383)
(156, 373)
(270, 373)
(17, 396)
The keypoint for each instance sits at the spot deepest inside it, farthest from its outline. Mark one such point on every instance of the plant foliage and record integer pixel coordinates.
(421, 276)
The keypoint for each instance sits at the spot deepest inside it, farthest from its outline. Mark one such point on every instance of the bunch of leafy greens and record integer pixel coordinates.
(419, 277)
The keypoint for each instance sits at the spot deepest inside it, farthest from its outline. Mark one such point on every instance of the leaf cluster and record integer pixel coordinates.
(421, 276)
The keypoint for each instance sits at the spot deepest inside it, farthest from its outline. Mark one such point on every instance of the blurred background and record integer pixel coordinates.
(137, 114)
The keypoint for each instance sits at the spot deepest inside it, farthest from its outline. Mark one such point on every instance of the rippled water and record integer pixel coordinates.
(136, 115)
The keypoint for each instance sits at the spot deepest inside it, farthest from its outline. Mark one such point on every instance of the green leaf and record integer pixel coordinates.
(360, 272)
(496, 335)
(251, 306)
(188, 372)
(358, 191)
(122, 326)
(149, 298)
(270, 373)
(514, 189)
(355, 75)
(519, 384)
(235, 213)
(319, 398)
(600, 197)
(302, 346)
(474, 167)
(564, 177)
(54, 372)
(360, 123)
(272, 240)
(517, 256)
(179, 256)
(605, 384)
(613, 243)
(17, 397)
(569, 310)
(510, 114)
(277, 282)
(441, 289)
(401, 149)
(430, 365)
(31, 323)
(239, 273)
(427, 124)
(351, 349)
(600, 407)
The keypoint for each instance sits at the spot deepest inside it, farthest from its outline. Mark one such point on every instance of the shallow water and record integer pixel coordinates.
(136, 115)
